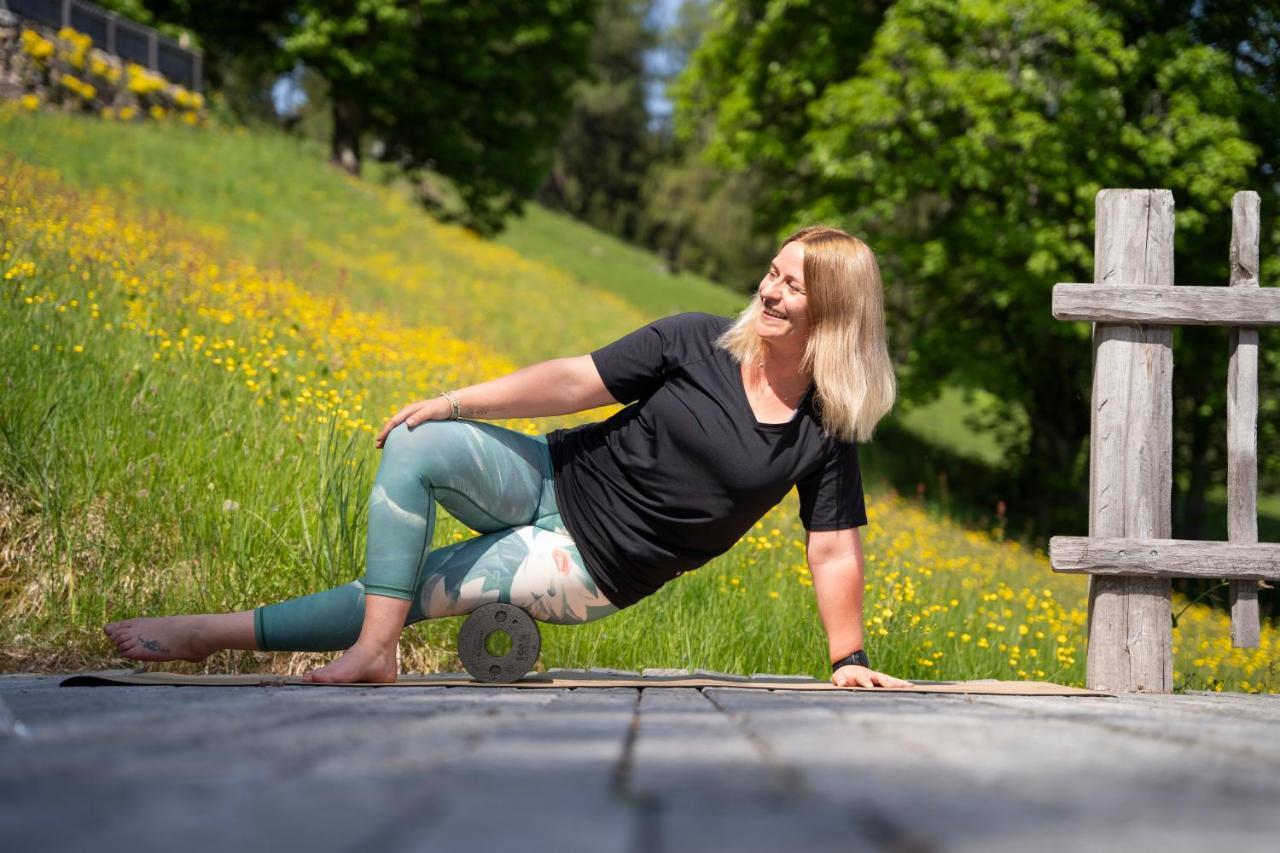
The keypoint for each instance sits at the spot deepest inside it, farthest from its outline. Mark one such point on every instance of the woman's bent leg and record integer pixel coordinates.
(490, 478)
(534, 568)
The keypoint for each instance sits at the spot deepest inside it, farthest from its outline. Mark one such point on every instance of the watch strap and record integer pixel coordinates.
(858, 658)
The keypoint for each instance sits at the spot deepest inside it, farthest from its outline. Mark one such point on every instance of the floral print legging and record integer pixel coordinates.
(496, 481)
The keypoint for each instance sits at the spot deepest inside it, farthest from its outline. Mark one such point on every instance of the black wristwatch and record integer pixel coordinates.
(858, 658)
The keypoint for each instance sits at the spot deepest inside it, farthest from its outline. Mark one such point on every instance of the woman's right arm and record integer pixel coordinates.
(560, 386)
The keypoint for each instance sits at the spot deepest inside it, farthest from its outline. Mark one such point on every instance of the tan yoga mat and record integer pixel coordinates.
(562, 678)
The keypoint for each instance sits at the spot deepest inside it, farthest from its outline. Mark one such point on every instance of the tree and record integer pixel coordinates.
(743, 100)
(968, 147)
(606, 148)
(476, 91)
(1248, 33)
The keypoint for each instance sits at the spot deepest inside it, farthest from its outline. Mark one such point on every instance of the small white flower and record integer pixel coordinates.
(229, 505)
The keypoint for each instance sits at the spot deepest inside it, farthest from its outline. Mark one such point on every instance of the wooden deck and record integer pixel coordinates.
(620, 769)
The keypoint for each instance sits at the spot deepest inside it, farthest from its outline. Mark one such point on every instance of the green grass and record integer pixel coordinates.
(602, 261)
(941, 422)
(136, 480)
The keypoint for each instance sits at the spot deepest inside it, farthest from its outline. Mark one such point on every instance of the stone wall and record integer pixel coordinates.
(40, 68)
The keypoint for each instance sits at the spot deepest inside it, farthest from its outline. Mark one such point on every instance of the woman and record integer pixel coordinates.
(726, 416)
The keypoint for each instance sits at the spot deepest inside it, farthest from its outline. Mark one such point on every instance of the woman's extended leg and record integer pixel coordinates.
(535, 567)
(484, 475)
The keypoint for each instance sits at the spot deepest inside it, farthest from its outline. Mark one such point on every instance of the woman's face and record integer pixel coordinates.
(782, 292)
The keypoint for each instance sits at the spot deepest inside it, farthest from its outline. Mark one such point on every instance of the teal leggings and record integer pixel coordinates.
(496, 481)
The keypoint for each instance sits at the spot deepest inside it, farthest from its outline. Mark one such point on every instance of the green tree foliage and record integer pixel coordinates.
(967, 146)
(745, 95)
(699, 215)
(474, 90)
(1249, 33)
(606, 149)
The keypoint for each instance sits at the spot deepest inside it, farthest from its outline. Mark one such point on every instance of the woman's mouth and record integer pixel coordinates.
(770, 313)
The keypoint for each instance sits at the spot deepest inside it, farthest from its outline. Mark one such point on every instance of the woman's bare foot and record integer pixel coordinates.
(361, 664)
(160, 638)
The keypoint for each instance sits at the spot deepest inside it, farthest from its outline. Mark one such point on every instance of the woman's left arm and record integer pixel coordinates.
(836, 564)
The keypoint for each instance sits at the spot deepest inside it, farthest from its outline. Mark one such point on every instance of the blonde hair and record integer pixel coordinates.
(847, 353)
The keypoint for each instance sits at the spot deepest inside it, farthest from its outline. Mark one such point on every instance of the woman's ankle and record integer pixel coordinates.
(220, 631)
(384, 619)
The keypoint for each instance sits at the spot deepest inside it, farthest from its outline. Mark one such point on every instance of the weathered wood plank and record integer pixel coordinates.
(978, 777)
(548, 780)
(674, 724)
(1242, 417)
(1164, 719)
(371, 769)
(1184, 305)
(1164, 558)
(1131, 446)
(473, 768)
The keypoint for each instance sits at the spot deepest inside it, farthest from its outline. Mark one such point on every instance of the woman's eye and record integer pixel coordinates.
(793, 289)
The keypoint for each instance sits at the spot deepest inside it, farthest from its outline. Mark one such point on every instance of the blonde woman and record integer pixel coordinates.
(723, 417)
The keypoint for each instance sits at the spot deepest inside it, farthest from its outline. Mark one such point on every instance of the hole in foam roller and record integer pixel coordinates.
(498, 644)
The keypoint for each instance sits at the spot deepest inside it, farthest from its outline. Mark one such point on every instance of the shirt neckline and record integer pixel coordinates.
(746, 401)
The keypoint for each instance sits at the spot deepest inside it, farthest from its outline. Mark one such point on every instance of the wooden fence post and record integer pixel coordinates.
(1242, 419)
(1131, 452)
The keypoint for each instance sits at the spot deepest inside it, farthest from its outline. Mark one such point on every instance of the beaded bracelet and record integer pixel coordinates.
(453, 403)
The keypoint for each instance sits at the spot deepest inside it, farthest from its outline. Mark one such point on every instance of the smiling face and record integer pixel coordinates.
(782, 292)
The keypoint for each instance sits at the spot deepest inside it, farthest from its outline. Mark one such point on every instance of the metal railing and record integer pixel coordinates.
(117, 36)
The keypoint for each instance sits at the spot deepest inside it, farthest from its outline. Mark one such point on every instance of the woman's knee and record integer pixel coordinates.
(420, 449)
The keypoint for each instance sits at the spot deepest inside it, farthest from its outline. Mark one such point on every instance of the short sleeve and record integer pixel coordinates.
(636, 365)
(831, 497)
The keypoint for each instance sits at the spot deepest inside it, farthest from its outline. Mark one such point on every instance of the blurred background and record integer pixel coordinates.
(659, 150)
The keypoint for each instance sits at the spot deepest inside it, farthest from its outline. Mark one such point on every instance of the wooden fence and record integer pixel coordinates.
(1127, 554)
(117, 36)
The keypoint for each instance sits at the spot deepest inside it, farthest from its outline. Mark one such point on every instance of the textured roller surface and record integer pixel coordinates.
(526, 643)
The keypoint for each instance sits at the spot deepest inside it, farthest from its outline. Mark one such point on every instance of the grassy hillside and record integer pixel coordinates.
(201, 331)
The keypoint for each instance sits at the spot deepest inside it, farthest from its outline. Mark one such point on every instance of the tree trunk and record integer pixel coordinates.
(347, 120)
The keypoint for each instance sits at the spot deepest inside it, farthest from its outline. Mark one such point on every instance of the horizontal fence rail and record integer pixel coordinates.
(1168, 558)
(117, 36)
(1184, 305)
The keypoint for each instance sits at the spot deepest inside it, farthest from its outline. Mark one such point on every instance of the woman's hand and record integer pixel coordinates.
(859, 676)
(435, 409)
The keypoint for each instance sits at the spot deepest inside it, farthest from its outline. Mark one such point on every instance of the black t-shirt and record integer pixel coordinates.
(675, 479)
